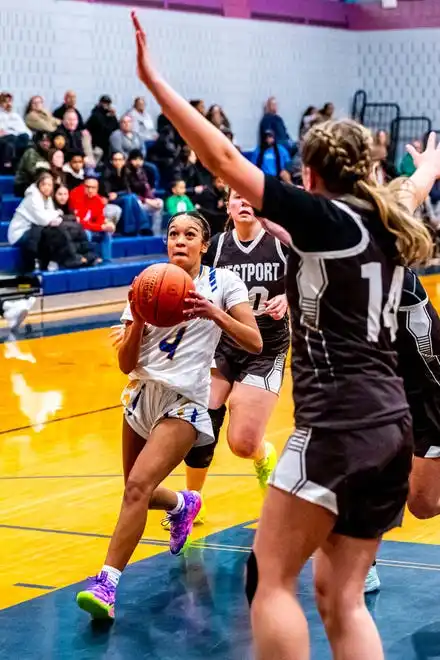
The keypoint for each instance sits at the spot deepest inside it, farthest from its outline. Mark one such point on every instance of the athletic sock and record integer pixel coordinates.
(179, 506)
(112, 574)
(261, 460)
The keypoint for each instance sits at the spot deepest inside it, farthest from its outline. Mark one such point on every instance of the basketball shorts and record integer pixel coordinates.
(425, 411)
(263, 371)
(359, 475)
(146, 403)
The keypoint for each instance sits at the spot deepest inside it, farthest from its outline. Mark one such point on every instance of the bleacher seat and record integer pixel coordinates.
(6, 185)
(7, 207)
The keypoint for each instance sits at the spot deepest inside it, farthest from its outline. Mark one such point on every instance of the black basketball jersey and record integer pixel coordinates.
(261, 264)
(344, 292)
(418, 346)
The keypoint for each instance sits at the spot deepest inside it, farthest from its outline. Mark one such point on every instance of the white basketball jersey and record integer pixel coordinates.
(180, 357)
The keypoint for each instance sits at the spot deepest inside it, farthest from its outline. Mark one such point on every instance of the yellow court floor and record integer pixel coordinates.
(61, 482)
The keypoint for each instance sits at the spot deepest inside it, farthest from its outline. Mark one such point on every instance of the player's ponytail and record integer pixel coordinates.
(340, 152)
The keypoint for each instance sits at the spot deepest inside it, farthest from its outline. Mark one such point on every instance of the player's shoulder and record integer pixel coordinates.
(413, 293)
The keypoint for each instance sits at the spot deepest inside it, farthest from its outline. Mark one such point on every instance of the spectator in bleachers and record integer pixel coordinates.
(382, 139)
(56, 163)
(90, 209)
(212, 203)
(164, 154)
(77, 140)
(270, 157)
(272, 121)
(38, 118)
(217, 117)
(327, 111)
(59, 142)
(35, 229)
(186, 170)
(406, 166)
(74, 169)
(199, 105)
(384, 169)
(76, 231)
(115, 187)
(308, 118)
(125, 139)
(14, 134)
(138, 184)
(178, 202)
(102, 123)
(35, 158)
(69, 104)
(143, 123)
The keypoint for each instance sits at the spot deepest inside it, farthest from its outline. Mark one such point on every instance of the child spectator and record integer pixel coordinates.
(38, 118)
(77, 234)
(271, 157)
(89, 208)
(178, 202)
(34, 159)
(74, 169)
(59, 142)
(56, 162)
(138, 184)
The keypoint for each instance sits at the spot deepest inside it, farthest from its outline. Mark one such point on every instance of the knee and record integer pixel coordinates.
(243, 442)
(335, 604)
(137, 492)
(422, 504)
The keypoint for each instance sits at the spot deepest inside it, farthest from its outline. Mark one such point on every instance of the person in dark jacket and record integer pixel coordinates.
(34, 159)
(272, 121)
(101, 124)
(69, 104)
(164, 154)
(186, 170)
(212, 205)
(74, 169)
(138, 184)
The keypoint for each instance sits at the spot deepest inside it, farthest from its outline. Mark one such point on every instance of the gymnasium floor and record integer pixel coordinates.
(60, 489)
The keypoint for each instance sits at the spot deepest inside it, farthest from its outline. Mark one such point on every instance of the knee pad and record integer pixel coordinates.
(200, 457)
(251, 577)
(217, 416)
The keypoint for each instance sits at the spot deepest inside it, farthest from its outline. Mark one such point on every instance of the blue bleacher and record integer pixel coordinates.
(131, 254)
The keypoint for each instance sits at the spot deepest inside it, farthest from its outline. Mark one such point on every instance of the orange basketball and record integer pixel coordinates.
(159, 294)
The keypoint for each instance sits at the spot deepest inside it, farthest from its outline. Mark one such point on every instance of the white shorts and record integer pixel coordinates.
(146, 403)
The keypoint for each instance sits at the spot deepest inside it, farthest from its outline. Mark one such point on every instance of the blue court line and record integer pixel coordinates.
(105, 476)
(34, 586)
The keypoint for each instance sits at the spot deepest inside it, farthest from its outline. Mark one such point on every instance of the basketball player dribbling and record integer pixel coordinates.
(342, 480)
(248, 382)
(166, 401)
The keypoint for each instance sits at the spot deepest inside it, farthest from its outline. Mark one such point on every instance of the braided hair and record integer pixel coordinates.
(340, 152)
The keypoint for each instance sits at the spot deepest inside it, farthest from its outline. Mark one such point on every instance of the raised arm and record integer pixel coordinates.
(215, 151)
(417, 188)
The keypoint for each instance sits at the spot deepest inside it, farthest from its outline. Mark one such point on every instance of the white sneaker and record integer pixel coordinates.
(15, 311)
(372, 581)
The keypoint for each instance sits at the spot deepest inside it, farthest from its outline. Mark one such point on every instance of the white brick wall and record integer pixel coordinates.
(48, 46)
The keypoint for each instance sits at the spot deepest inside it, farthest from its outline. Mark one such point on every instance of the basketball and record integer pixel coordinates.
(159, 294)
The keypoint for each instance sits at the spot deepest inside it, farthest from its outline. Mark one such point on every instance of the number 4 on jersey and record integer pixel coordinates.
(169, 344)
(373, 273)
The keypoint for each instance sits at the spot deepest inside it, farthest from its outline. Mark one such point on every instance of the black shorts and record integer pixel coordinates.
(360, 475)
(425, 412)
(263, 371)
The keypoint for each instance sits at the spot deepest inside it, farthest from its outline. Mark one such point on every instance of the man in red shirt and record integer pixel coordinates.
(89, 208)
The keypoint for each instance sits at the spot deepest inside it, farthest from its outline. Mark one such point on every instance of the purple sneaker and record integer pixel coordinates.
(98, 599)
(181, 523)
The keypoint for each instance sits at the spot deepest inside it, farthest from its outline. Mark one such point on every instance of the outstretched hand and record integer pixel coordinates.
(144, 67)
(430, 157)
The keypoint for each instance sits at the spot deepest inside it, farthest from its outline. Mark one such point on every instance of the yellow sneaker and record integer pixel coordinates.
(266, 466)
(200, 519)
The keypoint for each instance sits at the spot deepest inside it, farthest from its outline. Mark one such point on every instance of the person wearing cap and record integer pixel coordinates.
(272, 158)
(102, 123)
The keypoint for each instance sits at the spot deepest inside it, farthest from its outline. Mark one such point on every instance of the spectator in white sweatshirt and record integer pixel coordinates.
(36, 211)
(14, 135)
(143, 123)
